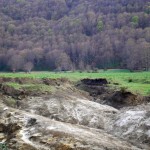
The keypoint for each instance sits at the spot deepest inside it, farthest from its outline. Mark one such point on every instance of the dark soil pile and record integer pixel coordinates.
(100, 92)
(120, 99)
(97, 82)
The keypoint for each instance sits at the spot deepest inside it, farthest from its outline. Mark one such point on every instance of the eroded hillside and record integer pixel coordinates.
(68, 118)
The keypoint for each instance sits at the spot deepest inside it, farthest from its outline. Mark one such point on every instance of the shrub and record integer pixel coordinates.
(130, 80)
(123, 89)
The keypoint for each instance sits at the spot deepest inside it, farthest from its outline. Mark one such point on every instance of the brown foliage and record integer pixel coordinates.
(68, 35)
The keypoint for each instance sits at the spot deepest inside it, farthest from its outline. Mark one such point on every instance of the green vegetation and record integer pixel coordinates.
(32, 87)
(135, 20)
(100, 25)
(134, 81)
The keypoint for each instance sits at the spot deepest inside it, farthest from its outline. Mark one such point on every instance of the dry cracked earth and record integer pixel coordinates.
(83, 116)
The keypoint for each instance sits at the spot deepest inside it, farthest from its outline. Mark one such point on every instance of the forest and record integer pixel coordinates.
(64, 35)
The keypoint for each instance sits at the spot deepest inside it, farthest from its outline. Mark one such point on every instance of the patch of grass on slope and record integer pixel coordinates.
(31, 87)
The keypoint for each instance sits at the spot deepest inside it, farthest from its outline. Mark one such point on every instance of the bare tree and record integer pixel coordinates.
(28, 67)
(15, 63)
(63, 62)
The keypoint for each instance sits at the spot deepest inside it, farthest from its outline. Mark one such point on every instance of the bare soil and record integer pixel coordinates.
(56, 120)
(100, 92)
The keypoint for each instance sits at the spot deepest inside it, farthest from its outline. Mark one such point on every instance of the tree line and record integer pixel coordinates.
(74, 34)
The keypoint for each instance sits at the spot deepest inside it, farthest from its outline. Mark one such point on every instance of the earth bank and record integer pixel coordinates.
(84, 116)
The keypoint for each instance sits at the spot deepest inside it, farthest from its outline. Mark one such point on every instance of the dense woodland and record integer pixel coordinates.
(74, 34)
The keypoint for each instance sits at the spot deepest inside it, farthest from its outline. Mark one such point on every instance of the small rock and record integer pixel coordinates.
(1, 127)
(6, 108)
(36, 135)
(31, 122)
(2, 136)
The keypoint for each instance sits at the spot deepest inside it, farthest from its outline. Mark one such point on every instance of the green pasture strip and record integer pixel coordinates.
(138, 82)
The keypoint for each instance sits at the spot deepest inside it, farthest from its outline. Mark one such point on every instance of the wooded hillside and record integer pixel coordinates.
(74, 34)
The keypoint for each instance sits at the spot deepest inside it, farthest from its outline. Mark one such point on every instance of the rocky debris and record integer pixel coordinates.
(97, 82)
(31, 121)
(71, 109)
(2, 136)
(8, 130)
(49, 134)
(133, 124)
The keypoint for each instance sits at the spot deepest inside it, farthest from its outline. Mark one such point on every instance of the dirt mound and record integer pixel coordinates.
(19, 88)
(10, 91)
(97, 89)
(55, 82)
(15, 80)
(97, 82)
(103, 94)
(46, 81)
(121, 99)
(18, 93)
(2, 80)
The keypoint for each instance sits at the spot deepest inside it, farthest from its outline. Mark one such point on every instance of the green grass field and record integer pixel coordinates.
(137, 82)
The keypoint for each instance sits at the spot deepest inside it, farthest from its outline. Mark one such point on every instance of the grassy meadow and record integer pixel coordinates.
(137, 82)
